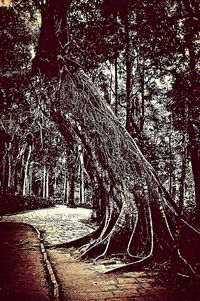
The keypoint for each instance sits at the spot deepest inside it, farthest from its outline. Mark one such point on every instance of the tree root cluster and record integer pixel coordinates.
(141, 220)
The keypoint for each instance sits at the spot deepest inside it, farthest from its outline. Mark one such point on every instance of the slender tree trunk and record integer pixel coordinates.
(4, 159)
(195, 161)
(67, 191)
(31, 178)
(4, 172)
(81, 177)
(55, 185)
(44, 182)
(18, 172)
(170, 160)
(47, 183)
(129, 104)
(65, 188)
(183, 173)
(82, 187)
(26, 168)
(9, 166)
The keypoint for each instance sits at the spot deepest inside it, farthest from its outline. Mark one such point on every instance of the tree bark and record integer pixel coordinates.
(54, 37)
(195, 161)
(44, 182)
(47, 183)
(31, 169)
(65, 188)
(26, 168)
(129, 104)
(81, 177)
(71, 195)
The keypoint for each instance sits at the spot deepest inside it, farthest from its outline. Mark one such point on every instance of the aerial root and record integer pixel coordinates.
(133, 265)
(101, 245)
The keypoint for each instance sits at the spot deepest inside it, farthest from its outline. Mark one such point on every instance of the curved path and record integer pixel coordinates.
(57, 224)
(83, 281)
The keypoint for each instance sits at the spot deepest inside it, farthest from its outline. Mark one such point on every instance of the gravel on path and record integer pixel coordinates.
(58, 224)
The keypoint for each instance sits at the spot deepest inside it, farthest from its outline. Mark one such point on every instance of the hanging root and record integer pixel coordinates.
(104, 238)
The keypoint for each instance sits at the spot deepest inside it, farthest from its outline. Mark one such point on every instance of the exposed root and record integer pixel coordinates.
(105, 251)
(131, 238)
(103, 241)
(191, 270)
(135, 193)
(137, 265)
(102, 237)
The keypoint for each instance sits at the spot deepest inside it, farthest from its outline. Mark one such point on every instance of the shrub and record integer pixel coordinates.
(14, 203)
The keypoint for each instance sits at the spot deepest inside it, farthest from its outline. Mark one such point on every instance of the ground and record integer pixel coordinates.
(79, 280)
(23, 276)
(57, 224)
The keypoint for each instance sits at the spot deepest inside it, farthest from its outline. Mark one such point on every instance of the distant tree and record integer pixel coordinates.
(185, 90)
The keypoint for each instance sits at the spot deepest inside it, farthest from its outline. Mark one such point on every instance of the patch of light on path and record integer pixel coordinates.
(58, 224)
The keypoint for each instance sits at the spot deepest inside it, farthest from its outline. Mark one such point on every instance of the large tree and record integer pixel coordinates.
(141, 220)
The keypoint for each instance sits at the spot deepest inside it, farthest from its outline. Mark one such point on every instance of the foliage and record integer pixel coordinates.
(16, 203)
(19, 30)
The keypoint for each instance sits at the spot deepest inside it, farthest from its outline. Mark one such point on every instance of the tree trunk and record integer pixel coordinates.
(81, 178)
(71, 196)
(44, 182)
(129, 104)
(31, 178)
(5, 164)
(54, 36)
(55, 185)
(26, 168)
(183, 172)
(4, 173)
(47, 183)
(65, 186)
(9, 166)
(141, 220)
(195, 161)
(193, 97)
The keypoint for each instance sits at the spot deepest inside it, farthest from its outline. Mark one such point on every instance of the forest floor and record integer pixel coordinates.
(72, 279)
